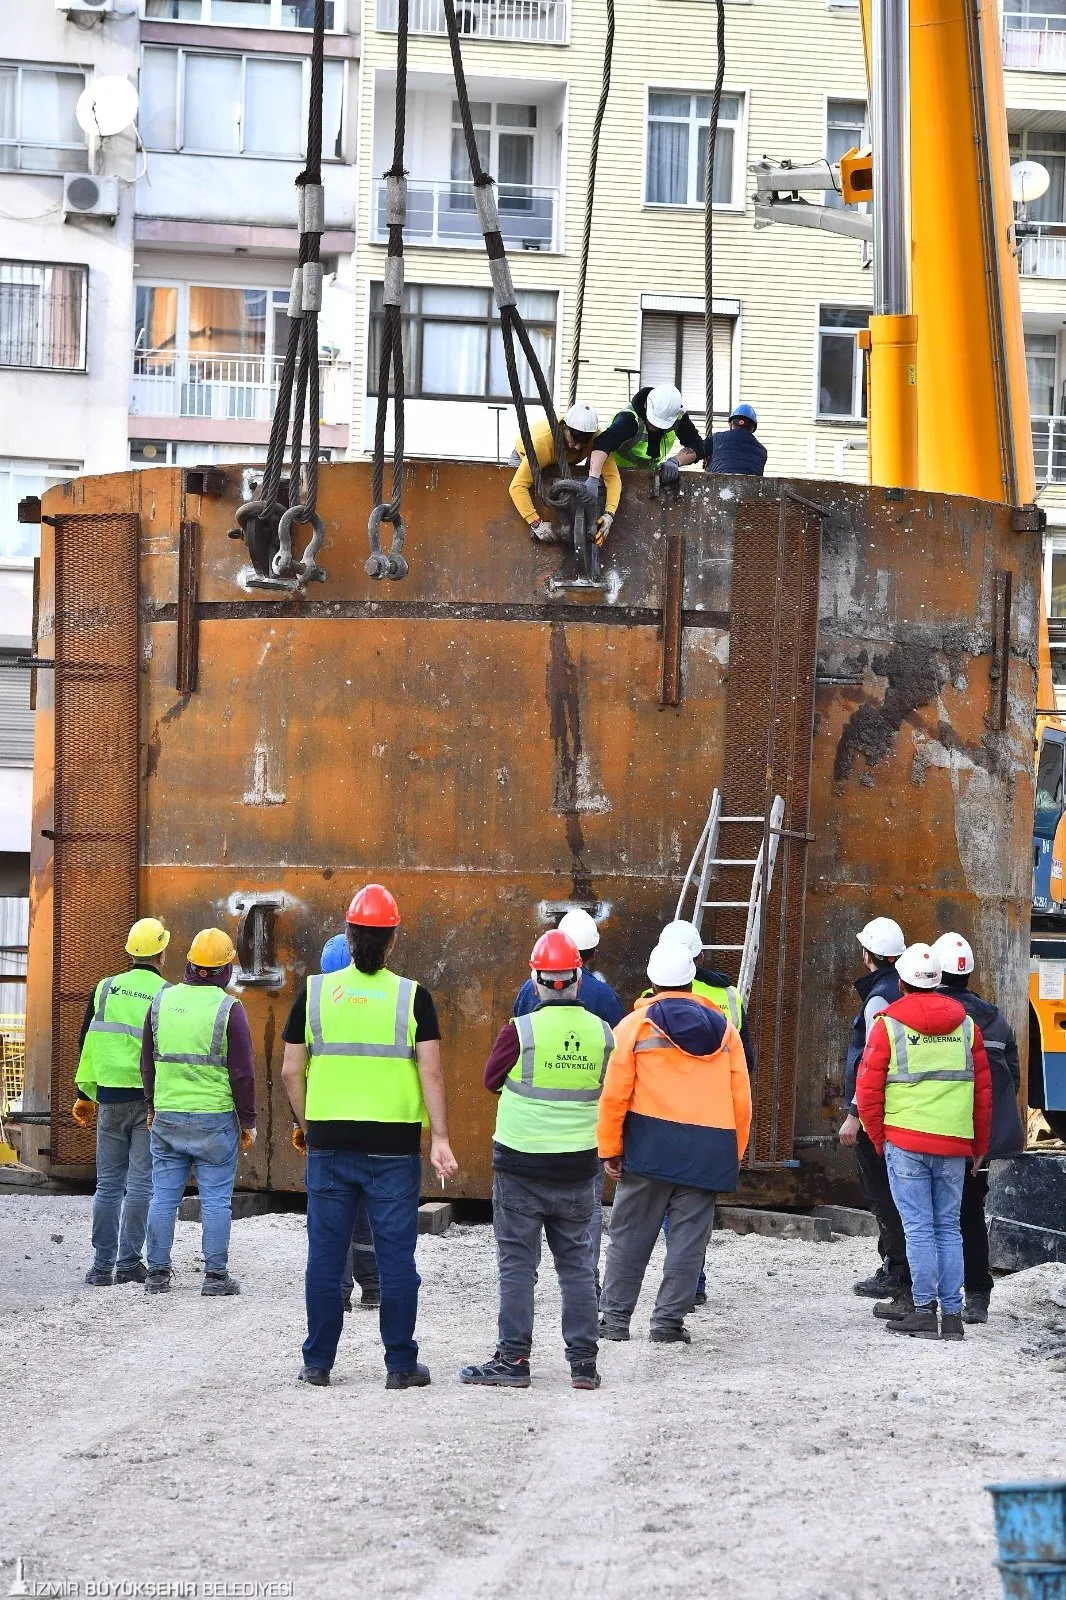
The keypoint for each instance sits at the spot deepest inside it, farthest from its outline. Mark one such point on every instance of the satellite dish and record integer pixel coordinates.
(109, 105)
(1028, 181)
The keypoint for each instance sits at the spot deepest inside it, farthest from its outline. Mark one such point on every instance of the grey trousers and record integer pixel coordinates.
(521, 1208)
(361, 1266)
(640, 1204)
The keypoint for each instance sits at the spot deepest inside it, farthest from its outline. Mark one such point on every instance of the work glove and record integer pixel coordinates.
(546, 532)
(247, 1139)
(588, 494)
(84, 1112)
(670, 472)
(603, 528)
(299, 1139)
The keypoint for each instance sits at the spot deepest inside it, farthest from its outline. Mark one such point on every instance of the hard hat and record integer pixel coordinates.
(882, 937)
(211, 948)
(670, 966)
(555, 952)
(147, 937)
(336, 954)
(954, 954)
(685, 934)
(374, 907)
(747, 412)
(582, 419)
(581, 928)
(664, 405)
(920, 967)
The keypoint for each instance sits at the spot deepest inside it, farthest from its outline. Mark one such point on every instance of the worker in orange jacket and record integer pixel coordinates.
(674, 1120)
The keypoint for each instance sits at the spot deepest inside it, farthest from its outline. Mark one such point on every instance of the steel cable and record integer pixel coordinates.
(590, 196)
(708, 211)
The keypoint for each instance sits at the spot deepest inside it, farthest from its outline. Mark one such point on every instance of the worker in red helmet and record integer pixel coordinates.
(547, 1068)
(363, 1075)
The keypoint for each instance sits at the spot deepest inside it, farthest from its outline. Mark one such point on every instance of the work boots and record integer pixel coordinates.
(100, 1277)
(976, 1308)
(216, 1283)
(920, 1323)
(670, 1335)
(414, 1378)
(881, 1285)
(618, 1332)
(951, 1325)
(157, 1283)
(892, 1310)
(501, 1372)
(583, 1375)
(137, 1273)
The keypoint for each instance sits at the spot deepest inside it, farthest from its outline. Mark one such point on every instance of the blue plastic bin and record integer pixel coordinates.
(1029, 1580)
(1031, 1524)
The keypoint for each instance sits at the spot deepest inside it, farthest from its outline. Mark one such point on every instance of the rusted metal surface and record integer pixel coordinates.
(188, 596)
(494, 753)
(673, 610)
(1000, 670)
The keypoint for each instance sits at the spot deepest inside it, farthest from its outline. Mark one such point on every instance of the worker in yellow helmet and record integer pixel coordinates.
(579, 428)
(110, 1093)
(198, 1072)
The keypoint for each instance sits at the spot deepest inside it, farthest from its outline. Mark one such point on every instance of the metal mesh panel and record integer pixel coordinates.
(97, 651)
(769, 730)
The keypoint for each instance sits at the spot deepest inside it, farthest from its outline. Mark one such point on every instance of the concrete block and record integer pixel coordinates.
(245, 1204)
(434, 1216)
(773, 1224)
(848, 1220)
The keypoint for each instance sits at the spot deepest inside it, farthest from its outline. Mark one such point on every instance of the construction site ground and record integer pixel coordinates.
(795, 1449)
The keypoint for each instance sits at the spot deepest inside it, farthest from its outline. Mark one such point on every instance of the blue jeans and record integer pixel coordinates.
(123, 1183)
(928, 1194)
(183, 1141)
(336, 1182)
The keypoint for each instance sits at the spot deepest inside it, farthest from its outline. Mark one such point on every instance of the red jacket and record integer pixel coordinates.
(926, 1013)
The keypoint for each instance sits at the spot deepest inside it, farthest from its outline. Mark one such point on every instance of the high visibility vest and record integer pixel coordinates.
(726, 1000)
(111, 1054)
(549, 1102)
(929, 1085)
(636, 454)
(360, 1035)
(189, 1033)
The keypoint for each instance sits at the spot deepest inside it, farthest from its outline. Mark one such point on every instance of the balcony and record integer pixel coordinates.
(1049, 449)
(1043, 249)
(225, 388)
(1034, 41)
(441, 212)
(525, 21)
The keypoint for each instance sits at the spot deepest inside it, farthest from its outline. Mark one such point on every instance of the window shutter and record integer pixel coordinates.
(692, 366)
(658, 348)
(16, 719)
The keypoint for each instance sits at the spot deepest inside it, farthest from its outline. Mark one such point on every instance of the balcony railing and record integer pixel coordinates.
(1034, 41)
(225, 388)
(1043, 250)
(442, 212)
(528, 21)
(1049, 449)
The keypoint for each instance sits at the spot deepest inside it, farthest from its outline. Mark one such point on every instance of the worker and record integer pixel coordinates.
(110, 1092)
(363, 1075)
(198, 1071)
(579, 428)
(547, 1068)
(882, 943)
(736, 449)
(642, 436)
(362, 1264)
(674, 1120)
(1007, 1135)
(924, 1096)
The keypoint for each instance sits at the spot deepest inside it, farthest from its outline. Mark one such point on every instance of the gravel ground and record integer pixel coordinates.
(795, 1449)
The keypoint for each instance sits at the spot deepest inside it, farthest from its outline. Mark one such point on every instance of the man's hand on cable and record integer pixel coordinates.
(298, 1139)
(84, 1112)
(603, 528)
(441, 1159)
(247, 1139)
(670, 472)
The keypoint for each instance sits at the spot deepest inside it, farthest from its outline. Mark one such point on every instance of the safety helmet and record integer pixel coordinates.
(581, 928)
(954, 954)
(335, 953)
(919, 967)
(374, 907)
(211, 948)
(664, 405)
(685, 934)
(882, 937)
(670, 966)
(556, 960)
(147, 937)
(746, 412)
(582, 419)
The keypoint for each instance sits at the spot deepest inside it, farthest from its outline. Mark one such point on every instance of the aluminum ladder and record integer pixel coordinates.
(705, 864)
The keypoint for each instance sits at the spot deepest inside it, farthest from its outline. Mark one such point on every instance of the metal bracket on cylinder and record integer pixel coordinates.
(256, 967)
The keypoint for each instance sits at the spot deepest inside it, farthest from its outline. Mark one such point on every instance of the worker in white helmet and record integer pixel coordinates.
(882, 943)
(642, 436)
(579, 428)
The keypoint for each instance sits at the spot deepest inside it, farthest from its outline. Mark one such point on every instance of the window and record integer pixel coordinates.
(38, 129)
(841, 390)
(215, 104)
(1050, 150)
(846, 129)
(22, 540)
(245, 13)
(672, 351)
(453, 344)
(678, 122)
(505, 136)
(1040, 364)
(186, 453)
(42, 315)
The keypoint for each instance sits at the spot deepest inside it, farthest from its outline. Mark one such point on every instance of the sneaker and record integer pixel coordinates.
(616, 1331)
(157, 1283)
(670, 1336)
(583, 1375)
(370, 1299)
(920, 1323)
(976, 1308)
(317, 1376)
(882, 1285)
(135, 1274)
(499, 1373)
(951, 1325)
(892, 1310)
(216, 1283)
(100, 1277)
(414, 1378)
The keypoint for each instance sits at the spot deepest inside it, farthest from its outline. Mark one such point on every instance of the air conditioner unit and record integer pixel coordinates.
(85, 8)
(87, 196)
